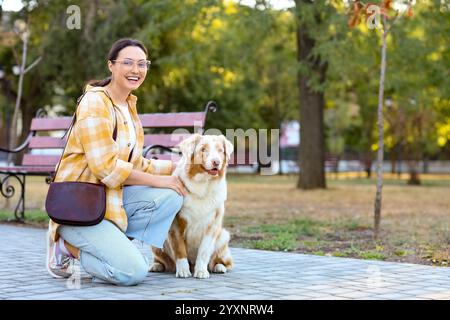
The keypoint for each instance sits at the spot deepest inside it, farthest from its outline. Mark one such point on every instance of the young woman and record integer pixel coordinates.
(105, 146)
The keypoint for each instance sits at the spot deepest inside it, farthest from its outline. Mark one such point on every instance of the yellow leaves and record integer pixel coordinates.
(198, 33)
(210, 11)
(174, 77)
(217, 24)
(215, 69)
(389, 142)
(285, 16)
(209, 25)
(230, 7)
(434, 56)
(339, 6)
(363, 28)
(441, 141)
(443, 131)
(374, 147)
(418, 34)
(228, 77)
(332, 29)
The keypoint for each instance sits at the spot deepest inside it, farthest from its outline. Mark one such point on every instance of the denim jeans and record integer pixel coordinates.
(107, 253)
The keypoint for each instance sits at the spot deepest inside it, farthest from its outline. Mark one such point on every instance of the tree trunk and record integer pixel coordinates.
(394, 159)
(367, 161)
(414, 178)
(312, 146)
(378, 198)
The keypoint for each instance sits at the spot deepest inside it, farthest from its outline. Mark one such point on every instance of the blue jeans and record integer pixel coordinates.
(107, 253)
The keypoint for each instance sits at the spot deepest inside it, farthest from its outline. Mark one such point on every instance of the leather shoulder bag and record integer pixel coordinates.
(76, 203)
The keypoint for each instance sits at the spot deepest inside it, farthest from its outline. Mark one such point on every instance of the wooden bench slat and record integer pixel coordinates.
(180, 119)
(167, 140)
(49, 124)
(155, 120)
(46, 143)
(40, 160)
(30, 169)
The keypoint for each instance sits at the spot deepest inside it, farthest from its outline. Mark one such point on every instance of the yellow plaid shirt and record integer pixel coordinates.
(92, 155)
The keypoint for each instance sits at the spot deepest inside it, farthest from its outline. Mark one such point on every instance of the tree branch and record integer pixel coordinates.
(31, 66)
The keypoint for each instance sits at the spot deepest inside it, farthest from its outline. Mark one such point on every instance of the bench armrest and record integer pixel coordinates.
(157, 146)
(23, 146)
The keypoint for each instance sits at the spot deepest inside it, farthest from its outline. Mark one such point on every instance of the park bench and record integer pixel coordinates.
(332, 163)
(38, 160)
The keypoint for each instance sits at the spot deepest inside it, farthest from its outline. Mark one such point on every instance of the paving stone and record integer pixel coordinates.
(257, 275)
(392, 296)
(355, 295)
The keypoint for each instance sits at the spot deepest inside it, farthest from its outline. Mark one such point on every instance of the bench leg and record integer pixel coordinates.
(8, 191)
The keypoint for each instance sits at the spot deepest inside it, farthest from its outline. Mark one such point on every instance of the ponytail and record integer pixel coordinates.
(98, 83)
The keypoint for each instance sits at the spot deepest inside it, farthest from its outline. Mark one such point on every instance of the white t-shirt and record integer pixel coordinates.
(130, 124)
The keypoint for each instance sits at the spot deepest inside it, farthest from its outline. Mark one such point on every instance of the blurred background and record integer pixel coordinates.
(249, 57)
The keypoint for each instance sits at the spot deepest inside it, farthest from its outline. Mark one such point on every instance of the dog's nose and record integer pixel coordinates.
(216, 162)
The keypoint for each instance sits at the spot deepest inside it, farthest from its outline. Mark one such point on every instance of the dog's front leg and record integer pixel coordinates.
(204, 254)
(178, 244)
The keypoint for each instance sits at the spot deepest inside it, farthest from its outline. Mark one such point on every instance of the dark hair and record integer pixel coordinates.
(114, 52)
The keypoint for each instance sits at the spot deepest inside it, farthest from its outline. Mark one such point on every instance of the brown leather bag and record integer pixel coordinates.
(76, 203)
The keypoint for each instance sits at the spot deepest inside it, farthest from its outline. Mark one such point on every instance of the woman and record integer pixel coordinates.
(105, 146)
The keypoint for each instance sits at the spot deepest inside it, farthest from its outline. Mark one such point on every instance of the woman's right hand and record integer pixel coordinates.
(170, 182)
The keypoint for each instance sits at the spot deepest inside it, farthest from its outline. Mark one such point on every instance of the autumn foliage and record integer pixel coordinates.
(360, 10)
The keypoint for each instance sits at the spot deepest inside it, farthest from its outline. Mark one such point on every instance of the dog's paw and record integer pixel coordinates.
(183, 273)
(183, 269)
(219, 268)
(201, 274)
(156, 267)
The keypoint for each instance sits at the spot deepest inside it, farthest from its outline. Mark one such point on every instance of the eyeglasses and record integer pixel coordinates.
(129, 64)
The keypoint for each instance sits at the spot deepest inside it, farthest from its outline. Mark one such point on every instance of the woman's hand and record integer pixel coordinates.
(170, 182)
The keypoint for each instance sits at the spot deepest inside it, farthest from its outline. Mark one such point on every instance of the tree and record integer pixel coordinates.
(22, 30)
(311, 75)
(374, 12)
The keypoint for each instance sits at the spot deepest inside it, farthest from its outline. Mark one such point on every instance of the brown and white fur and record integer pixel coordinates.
(197, 242)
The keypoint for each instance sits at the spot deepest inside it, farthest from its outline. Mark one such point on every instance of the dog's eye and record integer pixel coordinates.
(203, 149)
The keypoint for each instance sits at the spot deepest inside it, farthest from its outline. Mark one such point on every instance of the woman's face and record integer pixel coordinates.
(130, 68)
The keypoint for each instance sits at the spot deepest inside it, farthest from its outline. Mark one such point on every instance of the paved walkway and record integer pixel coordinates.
(257, 275)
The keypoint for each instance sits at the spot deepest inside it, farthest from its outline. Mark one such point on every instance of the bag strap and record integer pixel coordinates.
(74, 118)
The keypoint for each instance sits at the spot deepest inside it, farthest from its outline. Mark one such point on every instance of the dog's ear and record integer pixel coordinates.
(187, 146)
(228, 146)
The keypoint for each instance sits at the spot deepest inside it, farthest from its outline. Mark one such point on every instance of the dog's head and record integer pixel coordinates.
(207, 155)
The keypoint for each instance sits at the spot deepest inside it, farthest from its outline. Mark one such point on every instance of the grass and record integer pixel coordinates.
(283, 237)
(32, 216)
(266, 211)
(308, 235)
(269, 213)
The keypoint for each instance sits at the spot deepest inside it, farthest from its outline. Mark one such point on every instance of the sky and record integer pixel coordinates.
(12, 5)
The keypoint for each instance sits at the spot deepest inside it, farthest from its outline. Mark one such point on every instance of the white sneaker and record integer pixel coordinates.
(58, 264)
